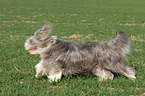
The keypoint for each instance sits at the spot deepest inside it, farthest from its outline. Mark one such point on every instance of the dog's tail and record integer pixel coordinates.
(121, 43)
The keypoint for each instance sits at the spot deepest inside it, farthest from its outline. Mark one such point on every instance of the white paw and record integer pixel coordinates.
(55, 76)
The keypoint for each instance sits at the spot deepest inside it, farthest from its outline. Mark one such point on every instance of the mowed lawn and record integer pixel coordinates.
(75, 20)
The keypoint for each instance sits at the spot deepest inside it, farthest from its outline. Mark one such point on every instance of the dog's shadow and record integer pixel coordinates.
(70, 77)
(43, 77)
(79, 75)
(63, 78)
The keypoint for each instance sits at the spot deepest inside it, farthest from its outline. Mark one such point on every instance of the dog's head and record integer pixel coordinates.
(41, 40)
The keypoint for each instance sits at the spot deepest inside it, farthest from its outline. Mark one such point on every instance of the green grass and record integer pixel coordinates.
(21, 18)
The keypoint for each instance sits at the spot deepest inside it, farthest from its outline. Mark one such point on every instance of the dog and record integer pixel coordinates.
(61, 57)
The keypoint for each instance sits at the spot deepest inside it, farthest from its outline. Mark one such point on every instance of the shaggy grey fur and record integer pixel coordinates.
(67, 57)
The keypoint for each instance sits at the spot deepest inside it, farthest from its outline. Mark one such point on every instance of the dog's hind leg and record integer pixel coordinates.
(120, 68)
(131, 72)
(103, 74)
(125, 70)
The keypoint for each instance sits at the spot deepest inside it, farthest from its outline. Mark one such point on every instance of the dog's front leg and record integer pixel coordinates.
(39, 70)
(55, 76)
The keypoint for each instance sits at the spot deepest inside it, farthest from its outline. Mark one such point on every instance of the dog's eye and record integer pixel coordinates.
(31, 41)
(51, 41)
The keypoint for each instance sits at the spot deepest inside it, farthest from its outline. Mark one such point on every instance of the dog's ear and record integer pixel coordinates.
(44, 32)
